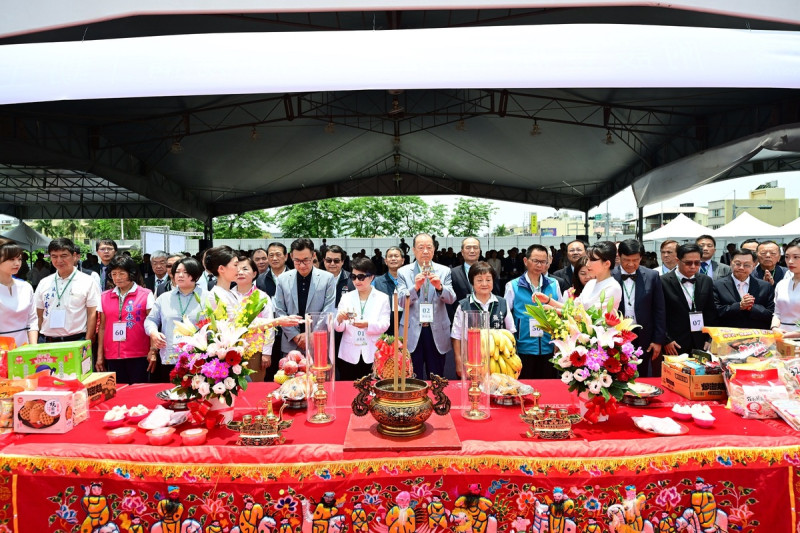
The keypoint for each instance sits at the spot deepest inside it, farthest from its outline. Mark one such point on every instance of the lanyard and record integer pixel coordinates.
(183, 308)
(363, 305)
(61, 294)
(477, 306)
(122, 302)
(689, 295)
(629, 295)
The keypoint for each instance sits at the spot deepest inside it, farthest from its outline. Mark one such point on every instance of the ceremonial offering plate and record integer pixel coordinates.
(683, 430)
(511, 399)
(177, 402)
(645, 393)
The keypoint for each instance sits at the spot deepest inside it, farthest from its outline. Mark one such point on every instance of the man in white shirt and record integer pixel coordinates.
(669, 257)
(261, 259)
(67, 301)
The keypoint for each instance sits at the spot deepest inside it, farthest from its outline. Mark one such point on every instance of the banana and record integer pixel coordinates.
(491, 342)
(503, 367)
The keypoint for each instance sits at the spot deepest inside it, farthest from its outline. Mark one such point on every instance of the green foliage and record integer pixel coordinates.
(323, 218)
(502, 231)
(250, 225)
(470, 216)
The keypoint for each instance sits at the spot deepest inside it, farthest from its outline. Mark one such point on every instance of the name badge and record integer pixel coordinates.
(118, 331)
(535, 330)
(425, 313)
(58, 318)
(696, 321)
(361, 337)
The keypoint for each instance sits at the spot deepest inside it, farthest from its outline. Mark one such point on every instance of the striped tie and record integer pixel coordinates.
(704, 268)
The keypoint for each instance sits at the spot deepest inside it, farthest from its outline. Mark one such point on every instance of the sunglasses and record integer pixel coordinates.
(692, 263)
(332, 261)
(360, 277)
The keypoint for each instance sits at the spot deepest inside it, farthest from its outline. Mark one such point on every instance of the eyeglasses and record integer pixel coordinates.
(692, 263)
(302, 261)
(739, 264)
(360, 277)
(538, 262)
(332, 261)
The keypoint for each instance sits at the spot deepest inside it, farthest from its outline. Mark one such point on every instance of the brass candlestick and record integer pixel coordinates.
(320, 397)
(474, 393)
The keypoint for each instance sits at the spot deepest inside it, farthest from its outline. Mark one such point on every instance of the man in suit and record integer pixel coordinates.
(158, 261)
(334, 263)
(743, 301)
(459, 274)
(768, 269)
(709, 267)
(166, 287)
(106, 250)
(276, 258)
(387, 283)
(643, 301)
(303, 290)
(261, 259)
(428, 288)
(689, 303)
(575, 250)
(669, 257)
(268, 282)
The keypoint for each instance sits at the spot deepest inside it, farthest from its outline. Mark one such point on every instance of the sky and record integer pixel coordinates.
(510, 213)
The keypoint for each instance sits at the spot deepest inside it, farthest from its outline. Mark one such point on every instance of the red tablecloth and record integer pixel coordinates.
(753, 459)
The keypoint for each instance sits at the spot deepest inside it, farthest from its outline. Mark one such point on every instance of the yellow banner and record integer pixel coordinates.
(534, 224)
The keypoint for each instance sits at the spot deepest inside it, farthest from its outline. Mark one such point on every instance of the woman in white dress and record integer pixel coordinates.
(223, 263)
(602, 257)
(787, 295)
(18, 318)
(363, 316)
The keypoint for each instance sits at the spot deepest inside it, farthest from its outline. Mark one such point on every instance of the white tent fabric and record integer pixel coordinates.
(746, 225)
(680, 227)
(790, 229)
(702, 168)
(575, 55)
(27, 237)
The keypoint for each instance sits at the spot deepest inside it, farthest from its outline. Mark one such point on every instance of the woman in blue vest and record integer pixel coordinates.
(482, 277)
(533, 344)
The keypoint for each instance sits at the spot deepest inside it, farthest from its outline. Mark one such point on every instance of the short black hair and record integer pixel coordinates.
(481, 267)
(533, 248)
(793, 243)
(362, 264)
(253, 253)
(603, 250)
(279, 245)
(335, 249)
(219, 256)
(249, 260)
(631, 247)
(100, 242)
(709, 237)
(62, 243)
(762, 243)
(123, 262)
(744, 251)
(302, 244)
(749, 241)
(578, 241)
(689, 248)
(9, 250)
(192, 267)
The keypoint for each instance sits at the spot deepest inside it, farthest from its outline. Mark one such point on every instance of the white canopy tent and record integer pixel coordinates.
(27, 237)
(746, 225)
(680, 227)
(790, 229)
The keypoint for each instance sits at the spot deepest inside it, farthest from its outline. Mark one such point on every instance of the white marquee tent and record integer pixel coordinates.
(681, 227)
(746, 225)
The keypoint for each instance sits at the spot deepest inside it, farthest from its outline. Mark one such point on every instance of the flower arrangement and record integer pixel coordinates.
(213, 354)
(595, 354)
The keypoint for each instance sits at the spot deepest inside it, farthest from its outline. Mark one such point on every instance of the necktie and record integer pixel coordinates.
(629, 276)
(704, 268)
(742, 290)
(159, 282)
(103, 277)
(689, 280)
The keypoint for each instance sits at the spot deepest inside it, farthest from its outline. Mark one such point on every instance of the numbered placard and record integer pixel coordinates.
(696, 321)
(118, 331)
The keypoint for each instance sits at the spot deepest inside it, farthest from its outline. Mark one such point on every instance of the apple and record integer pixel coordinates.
(295, 356)
(290, 368)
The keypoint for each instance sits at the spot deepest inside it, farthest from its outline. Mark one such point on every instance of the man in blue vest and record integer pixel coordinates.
(533, 344)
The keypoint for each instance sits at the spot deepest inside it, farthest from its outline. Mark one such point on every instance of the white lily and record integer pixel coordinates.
(199, 340)
(567, 346)
(228, 334)
(185, 327)
(605, 337)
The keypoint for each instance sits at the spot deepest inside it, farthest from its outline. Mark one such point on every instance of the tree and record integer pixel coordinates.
(367, 217)
(469, 217)
(438, 220)
(103, 228)
(322, 218)
(250, 225)
(69, 227)
(45, 226)
(502, 231)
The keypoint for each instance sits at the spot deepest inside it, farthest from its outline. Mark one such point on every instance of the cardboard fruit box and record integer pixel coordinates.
(65, 360)
(788, 348)
(706, 387)
(43, 411)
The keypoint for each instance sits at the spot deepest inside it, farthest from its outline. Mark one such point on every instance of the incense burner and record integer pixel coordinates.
(400, 413)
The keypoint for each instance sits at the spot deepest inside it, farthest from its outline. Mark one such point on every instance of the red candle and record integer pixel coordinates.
(474, 346)
(320, 349)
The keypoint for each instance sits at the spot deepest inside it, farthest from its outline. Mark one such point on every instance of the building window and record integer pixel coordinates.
(716, 213)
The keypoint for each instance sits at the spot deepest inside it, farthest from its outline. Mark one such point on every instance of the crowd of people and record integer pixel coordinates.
(128, 309)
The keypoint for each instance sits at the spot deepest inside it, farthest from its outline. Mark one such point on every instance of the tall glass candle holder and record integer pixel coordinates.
(475, 365)
(321, 364)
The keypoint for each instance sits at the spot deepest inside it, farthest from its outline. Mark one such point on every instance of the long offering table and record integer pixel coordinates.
(737, 476)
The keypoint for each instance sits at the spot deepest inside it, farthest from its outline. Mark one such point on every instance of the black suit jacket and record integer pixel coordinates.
(165, 287)
(677, 311)
(266, 283)
(564, 277)
(648, 305)
(780, 272)
(726, 299)
(463, 288)
(385, 284)
(345, 284)
(150, 282)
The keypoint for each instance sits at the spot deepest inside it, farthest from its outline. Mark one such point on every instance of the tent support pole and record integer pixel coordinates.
(586, 224)
(640, 225)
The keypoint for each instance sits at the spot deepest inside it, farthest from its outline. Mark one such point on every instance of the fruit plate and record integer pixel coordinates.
(177, 402)
(645, 394)
(511, 399)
